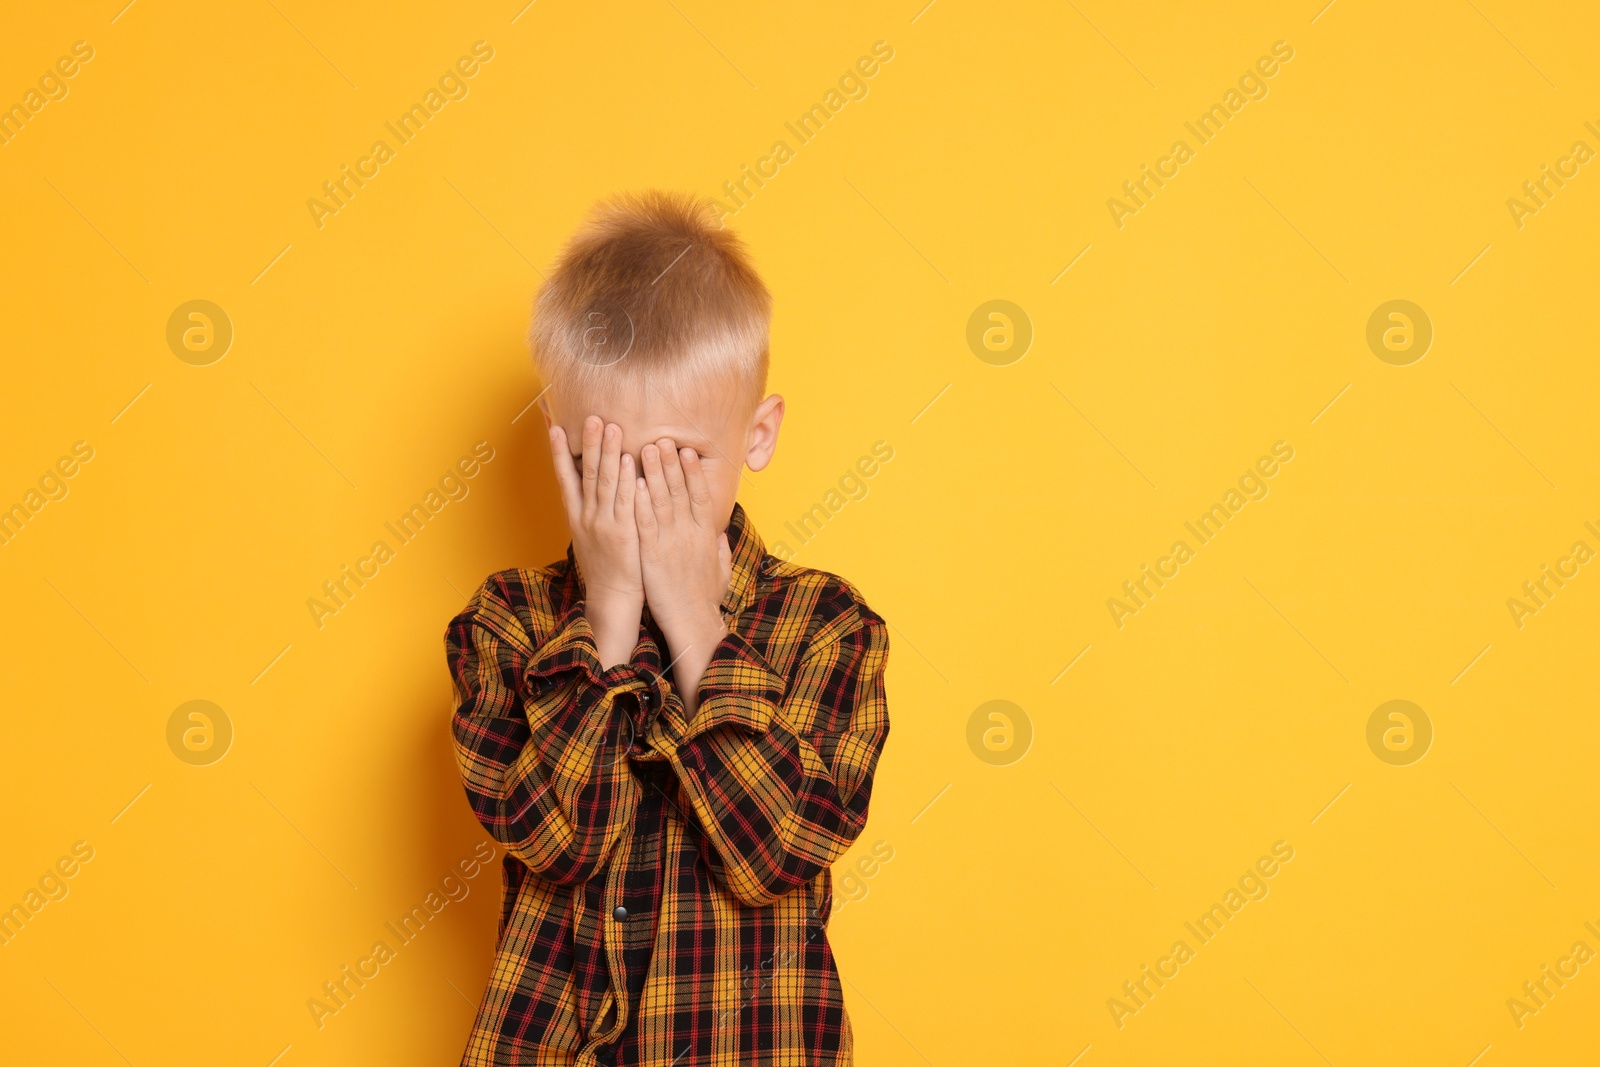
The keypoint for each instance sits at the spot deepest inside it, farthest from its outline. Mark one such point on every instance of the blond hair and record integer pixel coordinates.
(651, 291)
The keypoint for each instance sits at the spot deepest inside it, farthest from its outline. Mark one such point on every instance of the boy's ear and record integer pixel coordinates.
(762, 440)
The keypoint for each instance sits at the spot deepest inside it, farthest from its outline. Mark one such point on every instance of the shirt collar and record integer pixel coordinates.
(748, 551)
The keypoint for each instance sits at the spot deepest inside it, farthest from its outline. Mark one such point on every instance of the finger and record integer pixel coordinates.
(606, 480)
(672, 470)
(655, 481)
(694, 478)
(643, 512)
(591, 457)
(626, 488)
(566, 475)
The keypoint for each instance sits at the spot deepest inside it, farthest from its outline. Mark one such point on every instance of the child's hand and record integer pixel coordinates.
(685, 561)
(605, 538)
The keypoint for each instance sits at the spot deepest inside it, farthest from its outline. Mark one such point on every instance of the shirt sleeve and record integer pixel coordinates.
(541, 739)
(779, 772)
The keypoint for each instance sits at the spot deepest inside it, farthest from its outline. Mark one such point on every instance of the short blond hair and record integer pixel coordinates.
(650, 290)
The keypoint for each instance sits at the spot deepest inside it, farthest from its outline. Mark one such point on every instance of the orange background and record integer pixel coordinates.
(1016, 872)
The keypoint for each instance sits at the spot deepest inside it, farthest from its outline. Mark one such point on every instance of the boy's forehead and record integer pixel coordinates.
(650, 414)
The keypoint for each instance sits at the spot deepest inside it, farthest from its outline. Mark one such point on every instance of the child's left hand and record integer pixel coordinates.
(684, 556)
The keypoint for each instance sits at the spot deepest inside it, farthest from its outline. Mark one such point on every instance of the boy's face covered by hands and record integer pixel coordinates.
(648, 483)
(715, 426)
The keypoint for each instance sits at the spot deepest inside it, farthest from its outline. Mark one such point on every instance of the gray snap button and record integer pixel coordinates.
(621, 913)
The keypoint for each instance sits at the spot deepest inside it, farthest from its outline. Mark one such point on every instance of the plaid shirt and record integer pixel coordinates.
(667, 882)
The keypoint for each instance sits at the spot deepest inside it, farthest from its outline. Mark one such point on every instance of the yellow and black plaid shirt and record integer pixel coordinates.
(667, 883)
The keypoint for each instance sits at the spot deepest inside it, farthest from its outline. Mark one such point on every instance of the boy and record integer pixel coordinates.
(671, 732)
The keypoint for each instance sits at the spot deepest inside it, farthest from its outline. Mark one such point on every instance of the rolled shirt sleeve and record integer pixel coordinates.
(778, 771)
(541, 735)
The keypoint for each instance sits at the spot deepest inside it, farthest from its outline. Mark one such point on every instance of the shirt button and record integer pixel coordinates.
(621, 913)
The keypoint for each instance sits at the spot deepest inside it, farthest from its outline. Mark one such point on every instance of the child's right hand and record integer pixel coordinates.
(605, 534)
